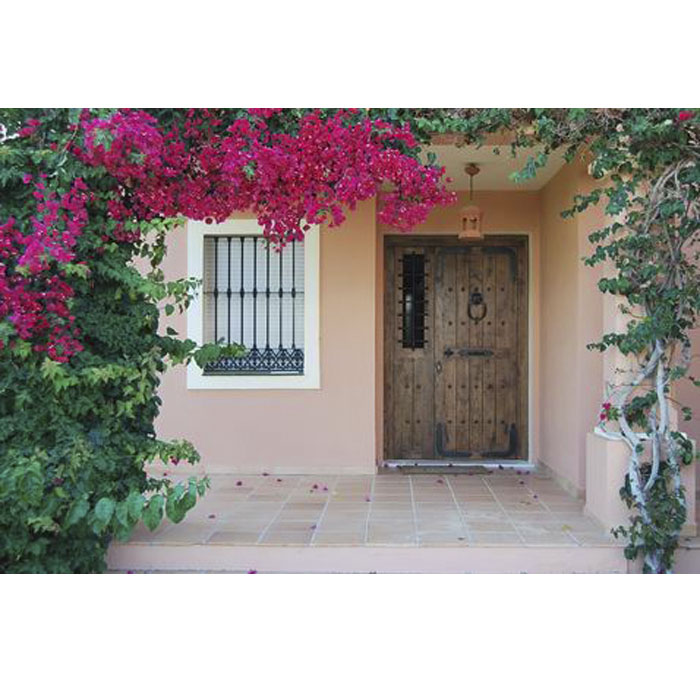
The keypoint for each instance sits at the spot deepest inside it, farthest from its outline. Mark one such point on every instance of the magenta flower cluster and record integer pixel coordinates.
(34, 294)
(204, 171)
(288, 180)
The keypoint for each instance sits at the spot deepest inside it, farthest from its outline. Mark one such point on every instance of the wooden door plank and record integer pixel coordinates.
(522, 351)
(462, 432)
(489, 340)
(423, 394)
(445, 334)
(475, 363)
(503, 361)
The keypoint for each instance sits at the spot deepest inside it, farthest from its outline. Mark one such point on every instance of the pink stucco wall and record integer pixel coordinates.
(331, 429)
(572, 312)
(339, 426)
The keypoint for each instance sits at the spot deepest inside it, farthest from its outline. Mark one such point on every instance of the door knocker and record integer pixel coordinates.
(476, 299)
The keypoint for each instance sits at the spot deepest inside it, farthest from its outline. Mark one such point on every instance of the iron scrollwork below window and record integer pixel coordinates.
(254, 296)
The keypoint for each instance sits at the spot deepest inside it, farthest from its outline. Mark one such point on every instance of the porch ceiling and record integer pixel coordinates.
(495, 168)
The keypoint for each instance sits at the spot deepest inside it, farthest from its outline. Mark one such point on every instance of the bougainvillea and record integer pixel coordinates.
(204, 169)
(34, 294)
(289, 180)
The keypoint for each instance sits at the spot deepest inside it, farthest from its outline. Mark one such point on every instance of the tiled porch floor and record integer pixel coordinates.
(397, 510)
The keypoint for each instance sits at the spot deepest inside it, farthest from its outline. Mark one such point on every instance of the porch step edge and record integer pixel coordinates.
(371, 559)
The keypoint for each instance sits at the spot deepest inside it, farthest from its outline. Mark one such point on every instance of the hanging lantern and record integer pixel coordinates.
(471, 214)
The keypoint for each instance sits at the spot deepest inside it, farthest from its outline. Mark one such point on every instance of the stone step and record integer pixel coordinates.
(380, 559)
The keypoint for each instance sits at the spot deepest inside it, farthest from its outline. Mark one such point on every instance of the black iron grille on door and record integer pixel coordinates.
(254, 295)
(413, 311)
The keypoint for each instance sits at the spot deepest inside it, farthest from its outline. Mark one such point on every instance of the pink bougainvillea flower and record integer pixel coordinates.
(289, 181)
(252, 571)
(239, 483)
(685, 114)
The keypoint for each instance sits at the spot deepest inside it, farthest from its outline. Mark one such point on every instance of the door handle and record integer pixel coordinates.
(475, 352)
(449, 352)
(476, 299)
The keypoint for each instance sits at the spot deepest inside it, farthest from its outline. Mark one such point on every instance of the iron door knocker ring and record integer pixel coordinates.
(477, 299)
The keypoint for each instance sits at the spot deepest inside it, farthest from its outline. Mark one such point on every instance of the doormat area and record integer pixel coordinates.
(475, 469)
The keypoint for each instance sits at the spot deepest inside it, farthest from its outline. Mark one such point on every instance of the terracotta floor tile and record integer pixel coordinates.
(474, 507)
(294, 525)
(484, 516)
(404, 510)
(284, 537)
(344, 526)
(489, 526)
(185, 533)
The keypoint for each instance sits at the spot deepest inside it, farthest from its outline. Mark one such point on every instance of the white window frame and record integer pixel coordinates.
(311, 379)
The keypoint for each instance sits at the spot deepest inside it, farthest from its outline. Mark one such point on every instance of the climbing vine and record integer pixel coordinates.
(83, 193)
(648, 165)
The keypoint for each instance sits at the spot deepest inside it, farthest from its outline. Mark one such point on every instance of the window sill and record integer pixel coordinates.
(197, 379)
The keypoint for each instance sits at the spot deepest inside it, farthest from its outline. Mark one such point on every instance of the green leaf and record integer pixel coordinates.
(174, 508)
(122, 514)
(103, 513)
(134, 503)
(76, 512)
(153, 513)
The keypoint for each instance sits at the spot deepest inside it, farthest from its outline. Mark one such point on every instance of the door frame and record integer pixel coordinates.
(452, 240)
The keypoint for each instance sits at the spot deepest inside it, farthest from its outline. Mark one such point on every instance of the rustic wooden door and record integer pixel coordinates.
(456, 349)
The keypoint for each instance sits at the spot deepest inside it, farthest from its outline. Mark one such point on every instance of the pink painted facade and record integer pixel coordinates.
(338, 427)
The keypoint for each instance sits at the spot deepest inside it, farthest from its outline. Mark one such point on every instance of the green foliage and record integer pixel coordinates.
(652, 533)
(75, 437)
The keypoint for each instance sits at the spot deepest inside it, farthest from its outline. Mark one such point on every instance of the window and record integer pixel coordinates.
(413, 300)
(254, 295)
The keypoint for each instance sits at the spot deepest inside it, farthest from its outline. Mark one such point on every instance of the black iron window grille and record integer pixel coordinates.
(413, 301)
(254, 296)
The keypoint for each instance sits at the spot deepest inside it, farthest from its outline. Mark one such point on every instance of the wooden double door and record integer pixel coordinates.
(456, 348)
